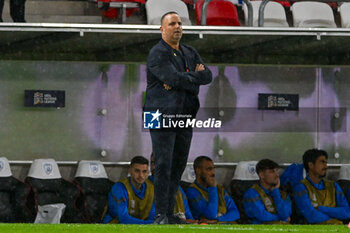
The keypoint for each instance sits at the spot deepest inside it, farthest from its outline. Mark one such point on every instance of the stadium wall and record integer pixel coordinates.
(81, 131)
(102, 67)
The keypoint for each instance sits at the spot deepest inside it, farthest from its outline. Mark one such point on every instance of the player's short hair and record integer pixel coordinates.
(199, 160)
(138, 160)
(311, 156)
(265, 164)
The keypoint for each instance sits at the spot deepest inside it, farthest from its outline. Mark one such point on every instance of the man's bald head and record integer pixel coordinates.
(168, 13)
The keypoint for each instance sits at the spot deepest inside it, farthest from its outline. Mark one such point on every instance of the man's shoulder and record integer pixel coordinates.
(191, 190)
(159, 47)
(299, 189)
(151, 178)
(329, 181)
(118, 187)
(331, 184)
(158, 53)
(191, 187)
(251, 192)
(221, 188)
(149, 183)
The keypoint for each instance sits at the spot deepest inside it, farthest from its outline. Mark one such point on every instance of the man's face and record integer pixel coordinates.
(270, 176)
(171, 28)
(139, 173)
(206, 171)
(320, 167)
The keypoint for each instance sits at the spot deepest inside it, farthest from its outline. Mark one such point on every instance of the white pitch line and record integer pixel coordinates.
(247, 229)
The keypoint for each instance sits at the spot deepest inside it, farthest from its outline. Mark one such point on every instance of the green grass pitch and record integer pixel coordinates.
(116, 228)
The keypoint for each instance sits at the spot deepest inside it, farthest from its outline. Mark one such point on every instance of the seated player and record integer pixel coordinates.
(264, 203)
(320, 201)
(209, 202)
(131, 199)
(182, 209)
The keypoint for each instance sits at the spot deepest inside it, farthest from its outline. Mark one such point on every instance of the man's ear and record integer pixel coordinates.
(311, 165)
(161, 29)
(196, 171)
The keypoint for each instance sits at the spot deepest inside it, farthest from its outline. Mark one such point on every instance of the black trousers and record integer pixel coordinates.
(17, 8)
(170, 149)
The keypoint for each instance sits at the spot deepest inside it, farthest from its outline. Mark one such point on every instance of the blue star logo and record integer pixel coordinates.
(152, 120)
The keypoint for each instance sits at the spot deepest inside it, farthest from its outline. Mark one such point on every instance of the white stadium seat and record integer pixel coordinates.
(157, 8)
(344, 178)
(344, 11)
(188, 175)
(245, 170)
(344, 173)
(93, 182)
(50, 188)
(244, 178)
(313, 15)
(274, 14)
(44, 169)
(13, 194)
(91, 169)
(5, 170)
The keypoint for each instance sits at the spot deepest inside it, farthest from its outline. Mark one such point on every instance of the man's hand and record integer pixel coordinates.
(167, 87)
(277, 186)
(211, 181)
(200, 67)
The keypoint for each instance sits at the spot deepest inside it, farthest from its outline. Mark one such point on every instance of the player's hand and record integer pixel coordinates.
(211, 181)
(277, 186)
(167, 87)
(199, 67)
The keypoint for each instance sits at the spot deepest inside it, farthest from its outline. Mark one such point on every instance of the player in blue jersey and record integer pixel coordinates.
(264, 203)
(209, 202)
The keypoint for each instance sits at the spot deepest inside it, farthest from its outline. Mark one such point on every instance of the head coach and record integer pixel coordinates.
(174, 73)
